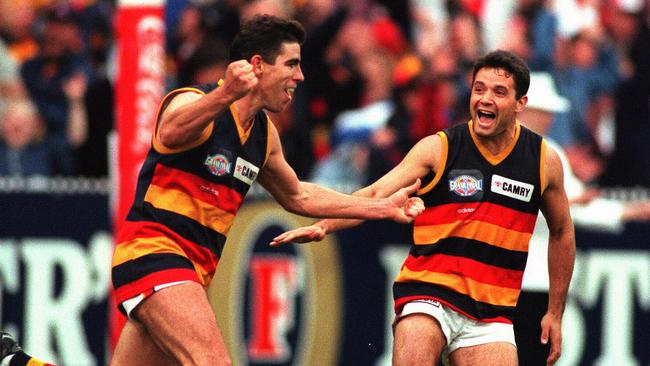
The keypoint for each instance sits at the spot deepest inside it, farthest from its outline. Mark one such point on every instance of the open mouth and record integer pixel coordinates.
(290, 91)
(485, 117)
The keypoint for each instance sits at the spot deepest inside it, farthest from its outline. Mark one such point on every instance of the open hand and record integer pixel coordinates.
(303, 234)
(552, 332)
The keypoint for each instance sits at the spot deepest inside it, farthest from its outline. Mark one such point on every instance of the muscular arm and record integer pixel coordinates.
(423, 158)
(188, 114)
(561, 250)
(312, 200)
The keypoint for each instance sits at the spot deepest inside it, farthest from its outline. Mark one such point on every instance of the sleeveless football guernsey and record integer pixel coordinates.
(470, 245)
(186, 202)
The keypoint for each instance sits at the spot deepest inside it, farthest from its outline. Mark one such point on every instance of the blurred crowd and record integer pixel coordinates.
(55, 95)
(380, 75)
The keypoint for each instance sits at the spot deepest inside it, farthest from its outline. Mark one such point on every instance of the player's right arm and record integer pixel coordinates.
(561, 252)
(188, 114)
(422, 159)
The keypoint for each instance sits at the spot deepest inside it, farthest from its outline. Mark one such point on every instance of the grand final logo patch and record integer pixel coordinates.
(466, 183)
(217, 164)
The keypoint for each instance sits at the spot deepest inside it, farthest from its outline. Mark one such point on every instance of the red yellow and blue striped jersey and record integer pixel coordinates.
(470, 245)
(186, 202)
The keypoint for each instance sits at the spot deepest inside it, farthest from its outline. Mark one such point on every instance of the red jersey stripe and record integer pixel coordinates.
(479, 211)
(211, 193)
(138, 229)
(491, 294)
(467, 267)
(150, 237)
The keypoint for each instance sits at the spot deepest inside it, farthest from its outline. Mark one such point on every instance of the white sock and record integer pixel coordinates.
(6, 360)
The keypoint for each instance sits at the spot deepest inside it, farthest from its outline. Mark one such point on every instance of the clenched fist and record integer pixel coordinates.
(240, 79)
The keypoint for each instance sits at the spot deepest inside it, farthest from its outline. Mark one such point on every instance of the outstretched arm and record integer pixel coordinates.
(312, 200)
(561, 252)
(423, 158)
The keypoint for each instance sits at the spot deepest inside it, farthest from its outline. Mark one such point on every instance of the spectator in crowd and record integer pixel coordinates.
(190, 32)
(46, 76)
(465, 38)
(209, 61)
(445, 33)
(23, 150)
(540, 29)
(445, 93)
(219, 18)
(95, 25)
(375, 58)
(589, 211)
(94, 17)
(527, 28)
(586, 73)
(425, 97)
(390, 143)
(306, 137)
(629, 164)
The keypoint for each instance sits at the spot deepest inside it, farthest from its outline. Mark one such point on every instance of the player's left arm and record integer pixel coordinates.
(312, 200)
(561, 250)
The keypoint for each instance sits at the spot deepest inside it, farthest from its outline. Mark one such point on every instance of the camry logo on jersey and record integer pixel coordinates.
(245, 171)
(217, 164)
(465, 185)
(512, 188)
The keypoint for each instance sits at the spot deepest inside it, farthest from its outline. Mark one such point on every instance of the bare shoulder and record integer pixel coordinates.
(181, 99)
(431, 144)
(432, 140)
(272, 129)
(553, 170)
(427, 152)
(275, 162)
(275, 142)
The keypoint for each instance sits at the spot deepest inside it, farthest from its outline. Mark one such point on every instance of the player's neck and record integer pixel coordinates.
(246, 112)
(497, 143)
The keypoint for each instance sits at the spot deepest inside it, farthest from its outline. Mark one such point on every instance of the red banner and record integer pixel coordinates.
(140, 86)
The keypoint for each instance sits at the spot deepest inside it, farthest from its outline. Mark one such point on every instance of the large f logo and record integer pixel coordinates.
(273, 292)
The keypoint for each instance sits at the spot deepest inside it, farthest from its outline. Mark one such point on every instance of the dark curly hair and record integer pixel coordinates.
(509, 62)
(264, 35)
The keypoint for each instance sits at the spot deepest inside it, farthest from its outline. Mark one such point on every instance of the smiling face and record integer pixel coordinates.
(278, 81)
(493, 103)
